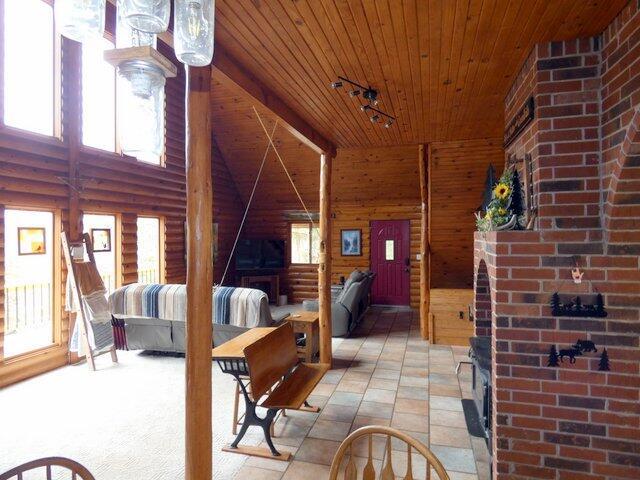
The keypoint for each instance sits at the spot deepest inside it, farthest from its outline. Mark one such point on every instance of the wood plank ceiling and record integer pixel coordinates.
(442, 67)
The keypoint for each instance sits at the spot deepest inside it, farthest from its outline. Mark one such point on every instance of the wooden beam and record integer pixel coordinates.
(423, 168)
(324, 264)
(293, 122)
(199, 275)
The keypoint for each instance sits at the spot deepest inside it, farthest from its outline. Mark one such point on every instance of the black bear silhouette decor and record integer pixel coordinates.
(577, 308)
(585, 346)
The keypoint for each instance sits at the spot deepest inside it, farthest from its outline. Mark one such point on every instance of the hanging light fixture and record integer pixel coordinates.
(127, 36)
(151, 16)
(194, 25)
(80, 20)
(370, 95)
(142, 70)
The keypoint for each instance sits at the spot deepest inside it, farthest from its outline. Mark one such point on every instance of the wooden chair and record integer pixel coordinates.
(76, 470)
(387, 472)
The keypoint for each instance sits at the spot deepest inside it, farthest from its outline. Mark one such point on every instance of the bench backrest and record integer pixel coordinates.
(271, 358)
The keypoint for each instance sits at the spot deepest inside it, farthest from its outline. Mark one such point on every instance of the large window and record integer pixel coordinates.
(102, 230)
(28, 290)
(98, 97)
(305, 243)
(29, 48)
(149, 250)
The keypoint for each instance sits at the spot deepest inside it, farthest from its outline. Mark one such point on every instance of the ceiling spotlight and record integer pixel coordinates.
(388, 123)
(354, 93)
(364, 108)
(336, 84)
(375, 119)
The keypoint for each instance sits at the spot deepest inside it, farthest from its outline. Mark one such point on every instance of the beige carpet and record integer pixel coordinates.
(123, 422)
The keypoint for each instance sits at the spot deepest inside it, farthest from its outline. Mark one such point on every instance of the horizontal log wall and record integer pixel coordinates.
(457, 176)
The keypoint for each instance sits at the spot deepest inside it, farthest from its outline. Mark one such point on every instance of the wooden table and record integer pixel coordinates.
(309, 324)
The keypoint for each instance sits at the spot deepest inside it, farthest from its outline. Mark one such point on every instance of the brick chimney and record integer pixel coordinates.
(570, 421)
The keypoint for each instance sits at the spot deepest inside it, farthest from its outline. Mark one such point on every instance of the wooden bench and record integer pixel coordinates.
(271, 362)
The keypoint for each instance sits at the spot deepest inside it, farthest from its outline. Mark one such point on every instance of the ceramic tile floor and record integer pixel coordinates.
(384, 374)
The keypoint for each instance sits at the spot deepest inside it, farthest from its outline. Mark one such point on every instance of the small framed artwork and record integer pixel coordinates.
(351, 243)
(101, 239)
(31, 241)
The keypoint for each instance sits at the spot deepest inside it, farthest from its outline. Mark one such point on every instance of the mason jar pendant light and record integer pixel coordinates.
(142, 70)
(151, 16)
(127, 36)
(141, 112)
(80, 20)
(194, 26)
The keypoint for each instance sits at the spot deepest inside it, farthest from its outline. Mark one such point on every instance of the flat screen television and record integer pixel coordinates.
(254, 254)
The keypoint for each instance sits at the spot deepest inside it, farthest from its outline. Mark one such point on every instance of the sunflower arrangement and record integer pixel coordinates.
(502, 212)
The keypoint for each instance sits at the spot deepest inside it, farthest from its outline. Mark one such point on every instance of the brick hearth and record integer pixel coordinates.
(572, 421)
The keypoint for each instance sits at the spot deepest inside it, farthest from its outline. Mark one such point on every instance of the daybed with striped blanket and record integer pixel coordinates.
(152, 317)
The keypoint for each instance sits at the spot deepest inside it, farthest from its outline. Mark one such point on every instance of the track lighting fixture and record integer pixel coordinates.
(370, 95)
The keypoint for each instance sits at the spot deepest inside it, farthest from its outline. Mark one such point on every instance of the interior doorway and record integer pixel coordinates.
(390, 260)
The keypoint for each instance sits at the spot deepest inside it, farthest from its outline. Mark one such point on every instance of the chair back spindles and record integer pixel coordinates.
(76, 469)
(369, 472)
(409, 475)
(387, 473)
(351, 471)
(387, 470)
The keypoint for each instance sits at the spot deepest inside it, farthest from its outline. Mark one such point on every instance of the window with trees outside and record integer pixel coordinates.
(305, 243)
(28, 70)
(149, 250)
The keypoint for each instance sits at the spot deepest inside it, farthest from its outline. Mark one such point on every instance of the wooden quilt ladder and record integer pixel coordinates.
(85, 279)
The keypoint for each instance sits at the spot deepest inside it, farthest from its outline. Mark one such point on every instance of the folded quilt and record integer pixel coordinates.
(231, 306)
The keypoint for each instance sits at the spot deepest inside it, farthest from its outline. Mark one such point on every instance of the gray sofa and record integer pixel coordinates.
(349, 304)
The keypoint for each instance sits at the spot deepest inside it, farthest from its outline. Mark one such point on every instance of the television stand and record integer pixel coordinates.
(269, 284)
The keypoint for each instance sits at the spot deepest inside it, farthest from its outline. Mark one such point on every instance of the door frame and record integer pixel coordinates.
(54, 355)
(371, 263)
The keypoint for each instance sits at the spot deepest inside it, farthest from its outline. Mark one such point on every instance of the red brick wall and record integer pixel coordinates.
(572, 421)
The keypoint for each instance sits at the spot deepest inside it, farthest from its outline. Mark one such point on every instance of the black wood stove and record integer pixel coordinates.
(480, 354)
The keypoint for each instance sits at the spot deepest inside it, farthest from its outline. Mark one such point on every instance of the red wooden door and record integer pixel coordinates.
(390, 261)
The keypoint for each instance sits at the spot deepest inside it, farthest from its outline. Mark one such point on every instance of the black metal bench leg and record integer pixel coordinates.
(252, 419)
(266, 427)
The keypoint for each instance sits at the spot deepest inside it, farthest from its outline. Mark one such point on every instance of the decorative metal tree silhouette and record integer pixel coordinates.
(603, 365)
(553, 357)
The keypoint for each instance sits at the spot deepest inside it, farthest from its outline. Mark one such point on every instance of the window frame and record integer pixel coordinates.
(56, 137)
(310, 227)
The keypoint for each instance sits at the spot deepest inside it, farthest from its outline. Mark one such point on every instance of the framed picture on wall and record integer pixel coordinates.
(101, 239)
(351, 243)
(31, 241)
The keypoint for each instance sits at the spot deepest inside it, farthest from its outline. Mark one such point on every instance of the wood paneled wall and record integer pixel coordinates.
(457, 175)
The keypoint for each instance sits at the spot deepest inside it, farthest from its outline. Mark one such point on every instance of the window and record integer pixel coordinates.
(28, 290)
(98, 97)
(29, 50)
(305, 243)
(389, 250)
(148, 250)
(102, 230)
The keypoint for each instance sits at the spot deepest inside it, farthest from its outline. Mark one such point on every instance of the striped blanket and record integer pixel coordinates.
(231, 306)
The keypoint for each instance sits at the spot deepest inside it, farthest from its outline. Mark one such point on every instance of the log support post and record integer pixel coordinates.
(423, 166)
(324, 265)
(198, 464)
